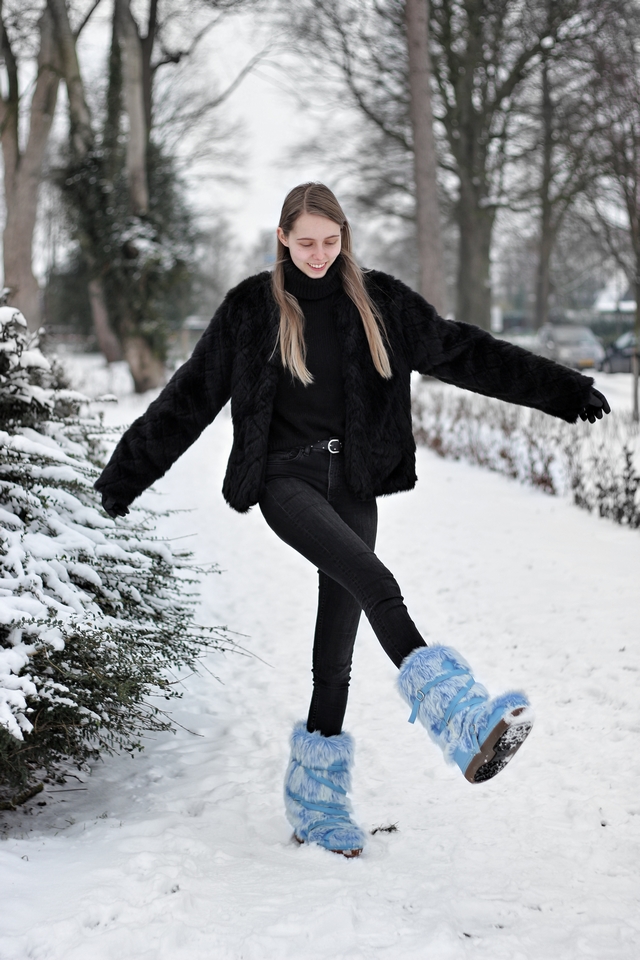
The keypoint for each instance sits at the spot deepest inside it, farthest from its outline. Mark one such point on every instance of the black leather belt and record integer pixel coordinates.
(333, 446)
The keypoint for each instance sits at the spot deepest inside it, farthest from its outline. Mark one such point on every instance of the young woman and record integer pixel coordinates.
(316, 359)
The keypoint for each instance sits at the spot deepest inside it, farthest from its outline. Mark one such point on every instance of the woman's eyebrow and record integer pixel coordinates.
(333, 236)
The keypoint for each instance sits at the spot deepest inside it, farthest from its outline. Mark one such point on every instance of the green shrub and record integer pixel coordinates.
(93, 612)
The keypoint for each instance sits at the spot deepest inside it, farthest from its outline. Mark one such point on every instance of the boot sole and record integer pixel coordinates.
(349, 854)
(498, 749)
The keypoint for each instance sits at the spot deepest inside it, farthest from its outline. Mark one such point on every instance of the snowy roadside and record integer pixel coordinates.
(185, 853)
(597, 469)
(617, 387)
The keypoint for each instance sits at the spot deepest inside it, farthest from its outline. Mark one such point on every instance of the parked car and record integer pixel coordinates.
(571, 345)
(618, 356)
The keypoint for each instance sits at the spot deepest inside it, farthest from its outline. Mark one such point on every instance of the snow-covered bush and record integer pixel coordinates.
(93, 611)
(599, 466)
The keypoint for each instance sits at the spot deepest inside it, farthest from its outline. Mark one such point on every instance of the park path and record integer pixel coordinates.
(184, 852)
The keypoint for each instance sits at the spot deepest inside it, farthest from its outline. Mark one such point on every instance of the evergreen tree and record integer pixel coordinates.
(92, 611)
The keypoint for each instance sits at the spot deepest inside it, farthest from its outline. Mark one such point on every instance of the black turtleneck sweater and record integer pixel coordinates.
(303, 414)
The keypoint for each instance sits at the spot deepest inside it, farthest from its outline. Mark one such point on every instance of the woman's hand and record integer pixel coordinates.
(596, 405)
(111, 506)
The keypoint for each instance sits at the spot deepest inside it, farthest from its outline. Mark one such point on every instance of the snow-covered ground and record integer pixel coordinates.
(184, 852)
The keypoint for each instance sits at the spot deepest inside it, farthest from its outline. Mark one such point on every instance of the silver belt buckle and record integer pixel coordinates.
(332, 449)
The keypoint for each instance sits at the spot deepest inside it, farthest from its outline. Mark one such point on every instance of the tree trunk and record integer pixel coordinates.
(147, 43)
(82, 143)
(18, 273)
(147, 370)
(475, 223)
(107, 340)
(80, 118)
(431, 261)
(135, 108)
(636, 356)
(23, 171)
(547, 233)
(546, 243)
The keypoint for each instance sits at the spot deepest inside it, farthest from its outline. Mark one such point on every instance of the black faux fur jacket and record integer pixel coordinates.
(235, 359)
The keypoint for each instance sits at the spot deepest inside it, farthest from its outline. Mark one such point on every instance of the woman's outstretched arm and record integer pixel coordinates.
(190, 401)
(469, 357)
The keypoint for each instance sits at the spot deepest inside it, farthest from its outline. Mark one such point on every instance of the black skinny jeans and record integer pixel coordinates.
(307, 503)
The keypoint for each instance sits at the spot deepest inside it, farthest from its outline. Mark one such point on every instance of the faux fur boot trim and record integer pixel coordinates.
(314, 750)
(458, 713)
(315, 795)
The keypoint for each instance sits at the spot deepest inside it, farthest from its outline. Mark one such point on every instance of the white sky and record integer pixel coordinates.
(273, 125)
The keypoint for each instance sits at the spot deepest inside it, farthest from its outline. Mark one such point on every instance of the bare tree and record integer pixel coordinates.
(23, 166)
(133, 49)
(549, 224)
(82, 144)
(357, 58)
(134, 248)
(483, 55)
(552, 156)
(425, 162)
(618, 65)
(579, 266)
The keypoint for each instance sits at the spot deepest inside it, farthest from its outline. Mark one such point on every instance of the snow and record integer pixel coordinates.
(184, 852)
(10, 315)
(617, 387)
(93, 377)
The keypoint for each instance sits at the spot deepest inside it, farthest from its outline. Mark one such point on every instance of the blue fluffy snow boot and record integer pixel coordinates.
(480, 734)
(315, 791)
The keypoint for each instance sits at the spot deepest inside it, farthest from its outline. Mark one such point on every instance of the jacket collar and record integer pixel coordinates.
(312, 288)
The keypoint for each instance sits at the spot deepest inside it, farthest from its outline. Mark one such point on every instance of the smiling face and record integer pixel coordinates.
(314, 242)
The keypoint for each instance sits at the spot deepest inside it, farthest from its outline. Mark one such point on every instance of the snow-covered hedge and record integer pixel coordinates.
(92, 611)
(597, 465)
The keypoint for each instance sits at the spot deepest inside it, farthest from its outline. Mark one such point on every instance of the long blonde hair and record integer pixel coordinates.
(317, 199)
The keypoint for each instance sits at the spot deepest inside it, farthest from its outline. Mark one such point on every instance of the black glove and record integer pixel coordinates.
(113, 507)
(596, 405)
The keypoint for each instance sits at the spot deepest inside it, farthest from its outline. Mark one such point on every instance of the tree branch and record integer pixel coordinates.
(83, 24)
(248, 67)
(10, 62)
(179, 55)
(80, 118)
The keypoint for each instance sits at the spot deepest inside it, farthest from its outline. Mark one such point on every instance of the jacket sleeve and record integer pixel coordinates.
(190, 401)
(468, 357)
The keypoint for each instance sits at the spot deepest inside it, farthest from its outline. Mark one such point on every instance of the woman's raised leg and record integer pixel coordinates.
(304, 519)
